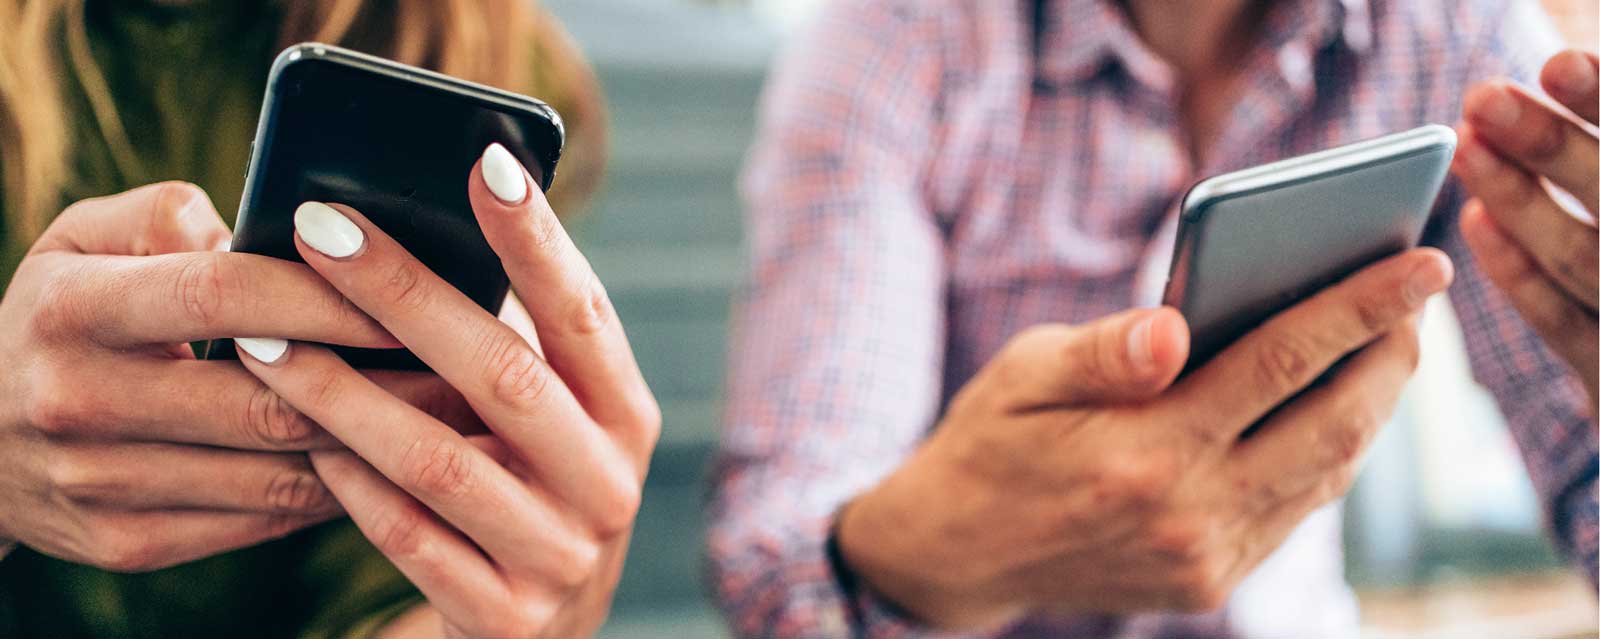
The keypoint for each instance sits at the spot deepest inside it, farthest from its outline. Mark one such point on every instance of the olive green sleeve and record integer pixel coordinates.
(355, 588)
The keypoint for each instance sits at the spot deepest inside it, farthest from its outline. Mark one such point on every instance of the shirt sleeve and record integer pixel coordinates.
(839, 334)
(1544, 404)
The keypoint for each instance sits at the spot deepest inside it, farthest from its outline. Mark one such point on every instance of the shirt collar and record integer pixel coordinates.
(1079, 37)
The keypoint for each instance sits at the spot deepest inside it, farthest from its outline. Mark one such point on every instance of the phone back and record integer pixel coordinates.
(1253, 243)
(397, 144)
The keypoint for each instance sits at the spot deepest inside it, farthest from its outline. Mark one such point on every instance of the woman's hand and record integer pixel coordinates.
(519, 532)
(118, 448)
(1541, 254)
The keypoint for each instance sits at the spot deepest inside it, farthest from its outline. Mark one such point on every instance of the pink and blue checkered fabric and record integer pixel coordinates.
(927, 183)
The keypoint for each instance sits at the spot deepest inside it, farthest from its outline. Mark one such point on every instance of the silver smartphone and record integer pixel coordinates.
(1253, 242)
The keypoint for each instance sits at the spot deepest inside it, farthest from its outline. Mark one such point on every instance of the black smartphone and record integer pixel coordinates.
(1254, 242)
(396, 143)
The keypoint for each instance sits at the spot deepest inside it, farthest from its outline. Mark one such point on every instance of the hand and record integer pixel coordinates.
(118, 448)
(1071, 475)
(520, 532)
(1541, 254)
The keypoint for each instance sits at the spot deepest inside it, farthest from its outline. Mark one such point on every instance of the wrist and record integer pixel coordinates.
(880, 540)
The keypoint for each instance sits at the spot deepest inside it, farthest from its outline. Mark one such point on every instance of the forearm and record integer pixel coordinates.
(884, 551)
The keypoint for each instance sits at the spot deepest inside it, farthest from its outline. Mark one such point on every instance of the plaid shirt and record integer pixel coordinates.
(927, 182)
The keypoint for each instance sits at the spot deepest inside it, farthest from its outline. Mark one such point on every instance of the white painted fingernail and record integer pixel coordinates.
(327, 230)
(504, 175)
(267, 350)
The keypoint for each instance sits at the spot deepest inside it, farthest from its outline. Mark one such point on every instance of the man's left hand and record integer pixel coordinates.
(1537, 246)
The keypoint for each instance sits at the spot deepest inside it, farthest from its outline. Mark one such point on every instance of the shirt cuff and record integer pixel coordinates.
(875, 616)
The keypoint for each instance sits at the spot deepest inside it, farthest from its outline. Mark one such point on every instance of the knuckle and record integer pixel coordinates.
(1184, 538)
(296, 491)
(58, 308)
(1284, 363)
(1200, 585)
(438, 466)
(621, 505)
(1372, 315)
(408, 289)
(51, 410)
(1348, 436)
(172, 203)
(591, 310)
(125, 551)
(576, 564)
(516, 375)
(77, 481)
(398, 534)
(645, 417)
(1139, 480)
(200, 288)
(271, 421)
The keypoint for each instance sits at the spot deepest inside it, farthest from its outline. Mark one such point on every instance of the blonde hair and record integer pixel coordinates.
(511, 44)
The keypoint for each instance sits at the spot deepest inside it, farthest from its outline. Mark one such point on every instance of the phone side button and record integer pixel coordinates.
(249, 159)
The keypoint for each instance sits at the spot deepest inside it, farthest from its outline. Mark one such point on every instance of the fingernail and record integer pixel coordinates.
(1428, 278)
(325, 229)
(1140, 353)
(1578, 76)
(1499, 108)
(504, 175)
(267, 350)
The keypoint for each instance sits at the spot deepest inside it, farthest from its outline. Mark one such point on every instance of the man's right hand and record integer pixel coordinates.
(118, 448)
(1072, 475)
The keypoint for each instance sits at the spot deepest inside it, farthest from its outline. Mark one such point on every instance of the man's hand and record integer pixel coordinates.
(1072, 475)
(1540, 253)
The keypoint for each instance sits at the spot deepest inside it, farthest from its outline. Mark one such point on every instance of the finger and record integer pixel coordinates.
(1572, 78)
(215, 404)
(134, 301)
(168, 476)
(1565, 247)
(454, 576)
(169, 217)
(511, 387)
(1315, 439)
(1534, 136)
(1268, 365)
(145, 540)
(578, 328)
(1566, 324)
(1125, 357)
(436, 465)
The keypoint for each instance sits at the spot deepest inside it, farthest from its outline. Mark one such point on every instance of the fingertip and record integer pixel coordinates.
(1169, 340)
(1570, 74)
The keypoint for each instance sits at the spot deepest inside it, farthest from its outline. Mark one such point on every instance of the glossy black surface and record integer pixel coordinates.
(397, 144)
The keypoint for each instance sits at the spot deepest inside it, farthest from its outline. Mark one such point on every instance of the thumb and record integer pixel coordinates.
(1123, 357)
(156, 219)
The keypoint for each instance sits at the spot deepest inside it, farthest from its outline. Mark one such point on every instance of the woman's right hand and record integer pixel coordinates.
(118, 448)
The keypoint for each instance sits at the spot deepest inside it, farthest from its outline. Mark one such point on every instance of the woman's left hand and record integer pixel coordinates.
(520, 532)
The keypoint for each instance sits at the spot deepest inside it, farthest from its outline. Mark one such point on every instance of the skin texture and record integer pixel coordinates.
(1541, 254)
(1122, 490)
(520, 531)
(121, 450)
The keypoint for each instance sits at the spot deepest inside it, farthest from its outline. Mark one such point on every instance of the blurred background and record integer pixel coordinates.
(1443, 530)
